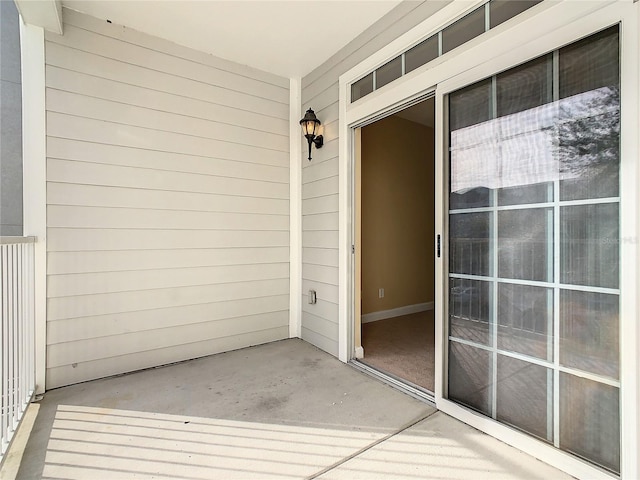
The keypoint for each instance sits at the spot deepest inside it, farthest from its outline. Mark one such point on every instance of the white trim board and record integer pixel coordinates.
(397, 312)
(34, 165)
(295, 209)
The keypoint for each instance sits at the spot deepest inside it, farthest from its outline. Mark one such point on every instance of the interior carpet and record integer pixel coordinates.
(402, 346)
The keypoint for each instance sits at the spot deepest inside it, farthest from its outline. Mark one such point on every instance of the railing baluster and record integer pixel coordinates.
(16, 335)
(12, 287)
(21, 327)
(17, 332)
(31, 356)
(6, 341)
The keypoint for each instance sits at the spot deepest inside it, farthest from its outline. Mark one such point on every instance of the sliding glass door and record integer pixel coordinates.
(533, 319)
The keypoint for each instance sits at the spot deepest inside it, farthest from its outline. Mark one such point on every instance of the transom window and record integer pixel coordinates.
(480, 20)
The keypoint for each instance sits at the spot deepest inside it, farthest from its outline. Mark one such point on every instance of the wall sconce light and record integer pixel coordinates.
(310, 125)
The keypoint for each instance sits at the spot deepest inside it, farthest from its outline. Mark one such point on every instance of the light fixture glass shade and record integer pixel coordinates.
(309, 127)
(309, 124)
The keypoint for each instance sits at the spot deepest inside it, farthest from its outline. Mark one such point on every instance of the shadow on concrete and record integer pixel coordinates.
(280, 410)
(284, 409)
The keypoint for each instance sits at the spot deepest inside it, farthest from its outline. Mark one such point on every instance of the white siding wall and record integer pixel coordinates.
(320, 176)
(167, 203)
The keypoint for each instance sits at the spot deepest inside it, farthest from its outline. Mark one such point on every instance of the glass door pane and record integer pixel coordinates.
(534, 248)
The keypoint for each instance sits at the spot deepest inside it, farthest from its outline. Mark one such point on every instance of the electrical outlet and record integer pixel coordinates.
(381, 293)
(312, 297)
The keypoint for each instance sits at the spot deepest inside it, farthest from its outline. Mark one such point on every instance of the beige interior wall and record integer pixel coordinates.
(397, 214)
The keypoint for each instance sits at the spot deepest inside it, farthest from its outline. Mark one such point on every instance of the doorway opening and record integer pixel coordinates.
(395, 240)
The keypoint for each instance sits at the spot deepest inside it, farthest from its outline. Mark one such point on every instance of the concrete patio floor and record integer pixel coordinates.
(281, 410)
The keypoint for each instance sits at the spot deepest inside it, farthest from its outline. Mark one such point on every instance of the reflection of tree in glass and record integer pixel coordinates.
(589, 133)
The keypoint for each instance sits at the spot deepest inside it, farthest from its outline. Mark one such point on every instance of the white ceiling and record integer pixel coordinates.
(288, 38)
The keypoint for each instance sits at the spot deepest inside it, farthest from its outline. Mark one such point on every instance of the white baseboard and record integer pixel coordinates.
(359, 352)
(396, 312)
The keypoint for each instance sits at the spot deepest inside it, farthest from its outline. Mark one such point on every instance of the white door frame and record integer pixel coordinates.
(541, 29)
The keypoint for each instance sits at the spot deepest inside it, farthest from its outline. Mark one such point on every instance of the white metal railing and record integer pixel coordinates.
(17, 330)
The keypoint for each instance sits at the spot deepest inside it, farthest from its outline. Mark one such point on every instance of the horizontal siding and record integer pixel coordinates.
(326, 204)
(167, 203)
(88, 173)
(321, 170)
(128, 301)
(97, 239)
(116, 112)
(321, 256)
(87, 350)
(63, 216)
(322, 308)
(320, 188)
(91, 86)
(91, 327)
(71, 127)
(320, 273)
(248, 168)
(326, 292)
(158, 199)
(325, 100)
(320, 221)
(329, 152)
(74, 284)
(320, 238)
(329, 345)
(82, 371)
(320, 177)
(87, 63)
(60, 263)
(323, 327)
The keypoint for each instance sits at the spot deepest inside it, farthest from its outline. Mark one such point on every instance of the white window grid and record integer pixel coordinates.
(554, 368)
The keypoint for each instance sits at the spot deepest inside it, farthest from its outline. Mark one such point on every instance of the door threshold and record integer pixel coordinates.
(404, 386)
